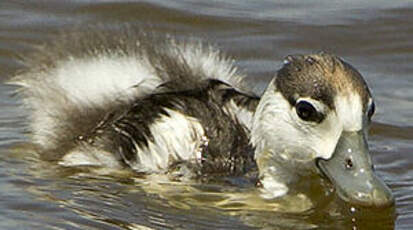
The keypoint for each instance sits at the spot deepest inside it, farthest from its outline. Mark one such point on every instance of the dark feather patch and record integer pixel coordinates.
(321, 77)
(228, 151)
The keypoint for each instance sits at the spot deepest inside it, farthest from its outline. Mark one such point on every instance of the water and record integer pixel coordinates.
(375, 36)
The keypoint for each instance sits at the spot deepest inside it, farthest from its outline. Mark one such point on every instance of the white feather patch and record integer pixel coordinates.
(277, 127)
(80, 83)
(88, 156)
(209, 61)
(104, 78)
(176, 137)
(349, 108)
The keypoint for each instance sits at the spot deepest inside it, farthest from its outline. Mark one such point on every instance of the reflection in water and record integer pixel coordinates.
(106, 199)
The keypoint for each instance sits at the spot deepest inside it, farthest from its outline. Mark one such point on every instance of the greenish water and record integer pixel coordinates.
(375, 36)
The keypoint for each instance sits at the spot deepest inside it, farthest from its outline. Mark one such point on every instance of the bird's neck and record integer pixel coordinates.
(274, 173)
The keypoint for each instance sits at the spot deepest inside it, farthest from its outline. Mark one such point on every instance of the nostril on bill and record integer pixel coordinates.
(348, 163)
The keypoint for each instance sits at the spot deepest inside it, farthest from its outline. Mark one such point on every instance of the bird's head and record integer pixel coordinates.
(313, 119)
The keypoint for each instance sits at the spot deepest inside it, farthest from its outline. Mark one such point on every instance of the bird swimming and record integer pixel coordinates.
(157, 105)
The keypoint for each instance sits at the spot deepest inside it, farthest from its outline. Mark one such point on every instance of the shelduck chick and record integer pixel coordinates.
(157, 105)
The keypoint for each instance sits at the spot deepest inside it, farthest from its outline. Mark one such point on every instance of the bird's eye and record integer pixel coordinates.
(371, 111)
(306, 111)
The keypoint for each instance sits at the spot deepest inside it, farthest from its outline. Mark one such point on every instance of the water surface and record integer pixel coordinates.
(375, 36)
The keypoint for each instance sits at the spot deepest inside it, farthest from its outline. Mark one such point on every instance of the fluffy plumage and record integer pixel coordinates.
(99, 99)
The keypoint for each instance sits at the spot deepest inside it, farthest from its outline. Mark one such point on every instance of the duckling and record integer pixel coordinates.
(157, 105)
